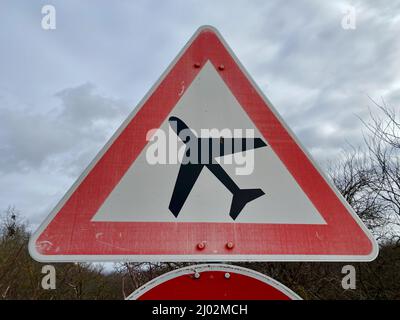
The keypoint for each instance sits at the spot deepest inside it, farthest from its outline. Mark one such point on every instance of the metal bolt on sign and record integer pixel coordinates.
(230, 245)
(201, 245)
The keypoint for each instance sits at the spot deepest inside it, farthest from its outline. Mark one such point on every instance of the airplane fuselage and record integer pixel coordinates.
(202, 152)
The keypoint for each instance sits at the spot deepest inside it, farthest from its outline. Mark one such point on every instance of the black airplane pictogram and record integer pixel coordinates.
(190, 170)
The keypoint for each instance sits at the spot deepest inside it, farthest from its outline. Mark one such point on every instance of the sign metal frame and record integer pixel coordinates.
(39, 244)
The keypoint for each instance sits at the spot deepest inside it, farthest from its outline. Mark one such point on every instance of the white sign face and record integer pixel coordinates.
(144, 193)
(203, 170)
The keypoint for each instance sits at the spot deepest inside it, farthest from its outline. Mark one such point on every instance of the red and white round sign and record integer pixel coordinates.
(213, 282)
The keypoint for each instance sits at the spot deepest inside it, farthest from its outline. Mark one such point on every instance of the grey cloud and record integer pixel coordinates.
(317, 75)
(81, 105)
(80, 123)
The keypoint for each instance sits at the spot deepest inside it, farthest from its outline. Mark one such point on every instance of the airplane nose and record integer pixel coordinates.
(173, 119)
(178, 125)
(175, 123)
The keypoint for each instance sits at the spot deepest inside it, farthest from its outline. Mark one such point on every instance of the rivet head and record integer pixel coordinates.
(197, 65)
(201, 245)
(227, 275)
(230, 245)
(221, 67)
(197, 275)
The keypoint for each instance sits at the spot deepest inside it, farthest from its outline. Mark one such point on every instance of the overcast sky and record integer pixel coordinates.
(63, 92)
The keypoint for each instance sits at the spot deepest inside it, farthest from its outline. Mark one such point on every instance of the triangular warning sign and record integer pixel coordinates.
(203, 169)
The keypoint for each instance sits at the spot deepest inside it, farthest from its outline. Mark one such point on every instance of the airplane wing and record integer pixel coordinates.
(235, 145)
(187, 176)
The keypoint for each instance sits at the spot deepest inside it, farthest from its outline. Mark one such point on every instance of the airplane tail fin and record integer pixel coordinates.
(241, 198)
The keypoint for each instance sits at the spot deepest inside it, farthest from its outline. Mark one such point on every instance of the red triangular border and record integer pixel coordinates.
(69, 235)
